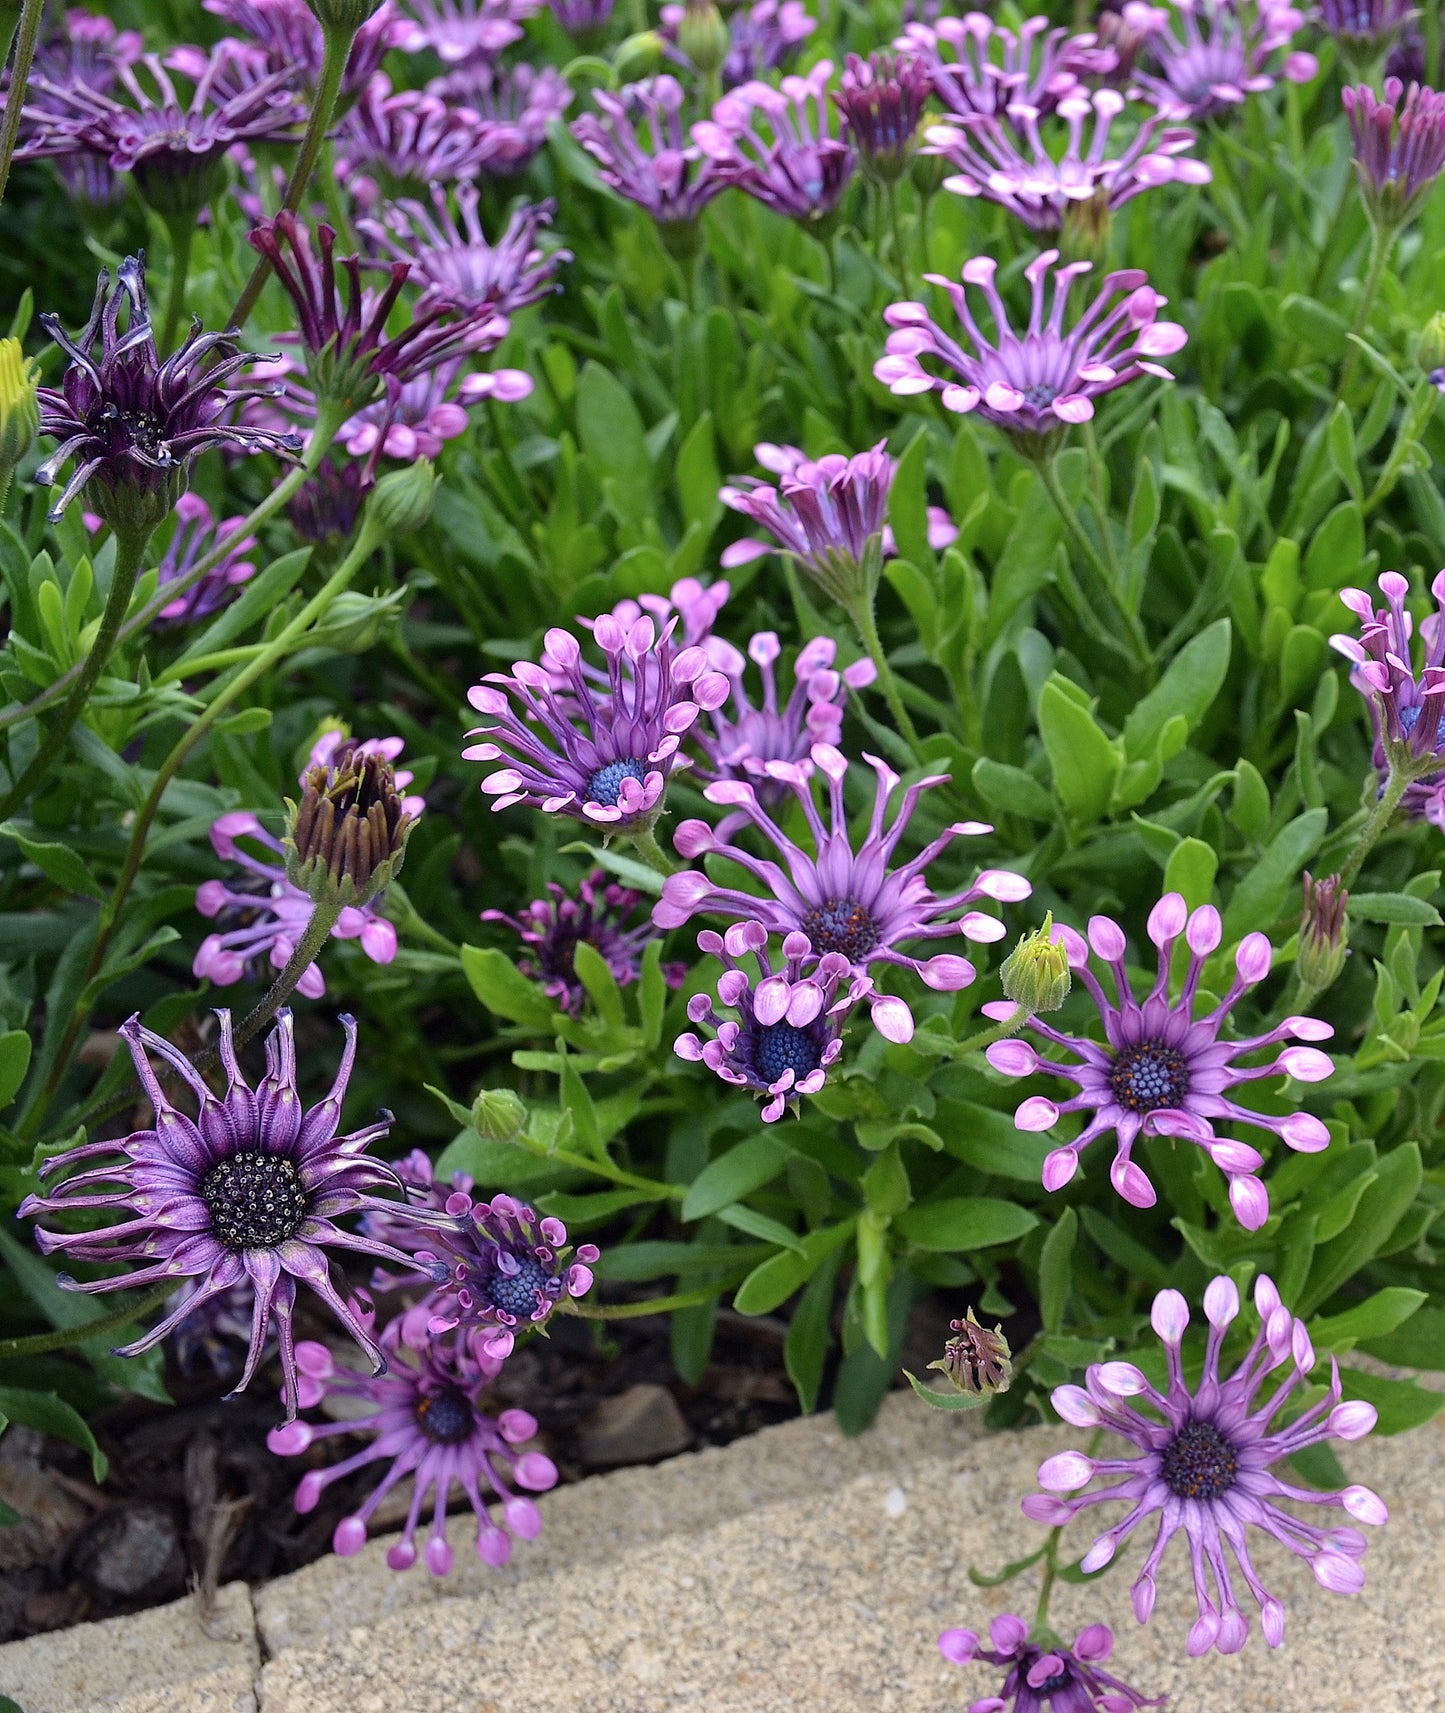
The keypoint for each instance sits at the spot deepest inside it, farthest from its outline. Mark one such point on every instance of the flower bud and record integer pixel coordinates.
(1035, 974)
(401, 501)
(1323, 940)
(498, 1114)
(342, 14)
(704, 37)
(976, 1360)
(638, 57)
(1430, 347)
(346, 839)
(19, 409)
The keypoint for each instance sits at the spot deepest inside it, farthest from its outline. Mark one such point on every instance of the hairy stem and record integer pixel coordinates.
(63, 1338)
(996, 1032)
(644, 842)
(866, 623)
(1379, 818)
(318, 931)
(19, 80)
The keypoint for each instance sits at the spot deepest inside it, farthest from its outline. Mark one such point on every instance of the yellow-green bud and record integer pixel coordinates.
(1323, 941)
(19, 410)
(976, 1360)
(401, 501)
(1430, 348)
(704, 37)
(1035, 974)
(638, 57)
(498, 1114)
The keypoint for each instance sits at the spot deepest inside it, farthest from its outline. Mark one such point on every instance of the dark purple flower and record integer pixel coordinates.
(289, 34)
(452, 260)
(882, 99)
(1209, 55)
(582, 17)
(1406, 60)
(776, 145)
(1399, 147)
(249, 1189)
(171, 147)
(1036, 383)
(328, 507)
(1013, 166)
(1162, 1071)
(553, 928)
(977, 66)
(1205, 1468)
(85, 51)
(426, 1421)
(641, 145)
(213, 1328)
(506, 1268)
(460, 32)
(1043, 1676)
(1365, 25)
(762, 37)
(602, 757)
(132, 423)
(514, 108)
(1407, 709)
(788, 1031)
(414, 136)
(855, 903)
(197, 533)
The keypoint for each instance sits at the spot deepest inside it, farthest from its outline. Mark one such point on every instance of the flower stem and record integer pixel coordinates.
(644, 842)
(996, 1032)
(336, 50)
(900, 256)
(1382, 241)
(182, 231)
(37, 1343)
(1051, 1571)
(1386, 804)
(866, 623)
(318, 932)
(19, 80)
(129, 554)
(637, 1311)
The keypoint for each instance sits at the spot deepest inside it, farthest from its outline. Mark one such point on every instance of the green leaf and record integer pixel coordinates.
(697, 476)
(1393, 908)
(615, 442)
(773, 1281)
(963, 1223)
(48, 1413)
(1398, 1175)
(1402, 1404)
(864, 1376)
(1188, 689)
(1420, 1345)
(754, 1224)
(1308, 321)
(504, 990)
(58, 863)
(885, 1183)
(988, 1140)
(600, 983)
(1190, 871)
(805, 1349)
(585, 1211)
(14, 1062)
(260, 597)
(1085, 763)
(733, 1175)
(908, 502)
(1010, 791)
(1056, 1271)
(949, 1399)
(1377, 1316)
(652, 992)
(1259, 898)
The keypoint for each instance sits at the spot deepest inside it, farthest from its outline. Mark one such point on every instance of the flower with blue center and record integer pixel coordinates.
(854, 903)
(788, 1029)
(250, 1189)
(1206, 1464)
(1042, 1673)
(426, 1418)
(600, 754)
(882, 100)
(1161, 1070)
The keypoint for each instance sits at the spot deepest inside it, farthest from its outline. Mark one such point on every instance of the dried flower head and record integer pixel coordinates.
(1323, 932)
(346, 839)
(976, 1360)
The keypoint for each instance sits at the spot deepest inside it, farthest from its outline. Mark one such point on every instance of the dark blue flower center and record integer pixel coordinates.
(1040, 395)
(1199, 1462)
(782, 1047)
(841, 925)
(445, 1417)
(256, 1200)
(605, 785)
(1148, 1076)
(1052, 1685)
(516, 1293)
(1410, 718)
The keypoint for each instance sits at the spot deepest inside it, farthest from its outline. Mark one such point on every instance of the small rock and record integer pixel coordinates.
(130, 1550)
(639, 1425)
(48, 1514)
(895, 1501)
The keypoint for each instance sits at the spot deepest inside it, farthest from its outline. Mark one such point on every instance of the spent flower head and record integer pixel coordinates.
(346, 838)
(1323, 932)
(976, 1360)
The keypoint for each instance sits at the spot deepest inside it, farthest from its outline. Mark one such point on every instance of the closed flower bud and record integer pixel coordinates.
(703, 36)
(976, 1360)
(401, 502)
(639, 57)
(346, 839)
(1035, 974)
(1323, 941)
(1430, 349)
(498, 1114)
(19, 408)
(342, 14)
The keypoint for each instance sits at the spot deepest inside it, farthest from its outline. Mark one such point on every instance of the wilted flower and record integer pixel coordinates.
(427, 1422)
(1042, 1673)
(326, 510)
(776, 145)
(132, 423)
(452, 260)
(641, 145)
(976, 1360)
(289, 34)
(553, 928)
(882, 98)
(1036, 383)
(977, 66)
(1399, 148)
(839, 900)
(1209, 55)
(249, 1189)
(346, 838)
(1206, 1468)
(460, 31)
(1162, 1071)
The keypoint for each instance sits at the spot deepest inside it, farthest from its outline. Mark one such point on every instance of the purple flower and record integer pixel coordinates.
(85, 52)
(1210, 54)
(132, 423)
(415, 135)
(553, 928)
(789, 1026)
(1044, 1677)
(1012, 166)
(1162, 1071)
(426, 1421)
(328, 507)
(744, 738)
(196, 534)
(988, 69)
(775, 145)
(249, 1189)
(1033, 384)
(505, 1268)
(453, 261)
(515, 108)
(639, 141)
(171, 147)
(417, 419)
(211, 1329)
(882, 100)
(1406, 60)
(602, 757)
(855, 904)
(1365, 25)
(263, 917)
(1406, 710)
(1205, 1468)
(1399, 147)
(762, 37)
(459, 32)
(582, 17)
(288, 33)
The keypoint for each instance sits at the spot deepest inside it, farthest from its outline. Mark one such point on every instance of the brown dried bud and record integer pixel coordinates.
(347, 838)
(976, 1361)
(1323, 945)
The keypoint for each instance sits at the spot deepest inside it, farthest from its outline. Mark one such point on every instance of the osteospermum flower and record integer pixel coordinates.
(417, 419)
(762, 37)
(133, 423)
(788, 1030)
(552, 928)
(1035, 383)
(515, 108)
(1407, 709)
(642, 150)
(1399, 147)
(1365, 26)
(1044, 1674)
(582, 17)
(1208, 56)
(197, 534)
(213, 1329)
(776, 145)
(506, 1268)
(288, 33)
(85, 50)
(452, 260)
(601, 757)
(1206, 1464)
(426, 1420)
(882, 99)
(1012, 166)
(854, 903)
(977, 66)
(251, 1188)
(1163, 1071)
(412, 135)
(460, 31)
